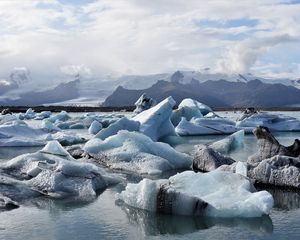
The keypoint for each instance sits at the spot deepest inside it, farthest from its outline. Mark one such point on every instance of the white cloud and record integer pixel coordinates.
(239, 58)
(73, 70)
(140, 36)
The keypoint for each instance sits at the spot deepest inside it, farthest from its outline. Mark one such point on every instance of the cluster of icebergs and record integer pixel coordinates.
(119, 145)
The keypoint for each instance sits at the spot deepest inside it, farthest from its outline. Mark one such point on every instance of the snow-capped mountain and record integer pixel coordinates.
(185, 77)
(92, 90)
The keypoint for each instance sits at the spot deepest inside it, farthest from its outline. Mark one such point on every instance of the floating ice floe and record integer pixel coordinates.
(275, 122)
(135, 152)
(155, 122)
(18, 133)
(216, 194)
(205, 126)
(62, 116)
(144, 103)
(29, 114)
(49, 126)
(54, 173)
(42, 115)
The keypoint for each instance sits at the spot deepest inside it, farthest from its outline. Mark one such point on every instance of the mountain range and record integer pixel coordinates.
(215, 93)
(216, 89)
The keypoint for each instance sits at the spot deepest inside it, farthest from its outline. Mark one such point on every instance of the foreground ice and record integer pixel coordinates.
(54, 173)
(135, 152)
(217, 194)
(155, 122)
(205, 126)
(275, 122)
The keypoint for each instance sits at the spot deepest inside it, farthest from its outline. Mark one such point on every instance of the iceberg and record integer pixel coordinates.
(18, 133)
(122, 124)
(206, 159)
(135, 152)
(95, 127)
(62, 116)
(29, 114)
(268, 146)
(279, 171)
(189, 108)
(275, 122)
(155, 122)
(230, 143)
(49, 126)
(42, 115)
(205, 126)
(144, 103)
(54, 173)
(215, 194)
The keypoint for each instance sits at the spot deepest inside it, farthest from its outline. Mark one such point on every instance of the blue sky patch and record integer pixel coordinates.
(228, 24)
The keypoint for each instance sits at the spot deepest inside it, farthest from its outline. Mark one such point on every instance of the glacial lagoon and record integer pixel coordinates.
(106, 218)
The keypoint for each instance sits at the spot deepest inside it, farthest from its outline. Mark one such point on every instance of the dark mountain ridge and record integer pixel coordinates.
(220, 93)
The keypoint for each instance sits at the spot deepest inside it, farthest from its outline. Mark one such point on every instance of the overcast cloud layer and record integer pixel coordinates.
(95, 38)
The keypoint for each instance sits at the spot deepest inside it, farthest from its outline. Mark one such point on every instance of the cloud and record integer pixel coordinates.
(53, 38)
(73, 70)
(241, 57)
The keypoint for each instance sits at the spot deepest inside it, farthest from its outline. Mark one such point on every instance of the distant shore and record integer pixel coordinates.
(123, 109)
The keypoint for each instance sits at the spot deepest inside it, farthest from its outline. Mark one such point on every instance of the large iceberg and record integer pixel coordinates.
(53, 172)
(155, 122)
(135, 152)
(216, 194)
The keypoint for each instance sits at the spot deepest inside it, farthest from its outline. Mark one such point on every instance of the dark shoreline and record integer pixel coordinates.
(124, 109)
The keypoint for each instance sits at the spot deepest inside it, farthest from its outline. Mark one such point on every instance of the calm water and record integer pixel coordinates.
(104, 218)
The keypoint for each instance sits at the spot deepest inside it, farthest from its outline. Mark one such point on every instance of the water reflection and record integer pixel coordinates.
(152, 224)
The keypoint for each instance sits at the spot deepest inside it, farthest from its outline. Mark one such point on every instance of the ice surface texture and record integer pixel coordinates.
(217, 194)
(135, 152)
(53, 172)
(275, 122)
(155, 122)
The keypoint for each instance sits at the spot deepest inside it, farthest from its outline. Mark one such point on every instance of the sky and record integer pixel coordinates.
(54, 38)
